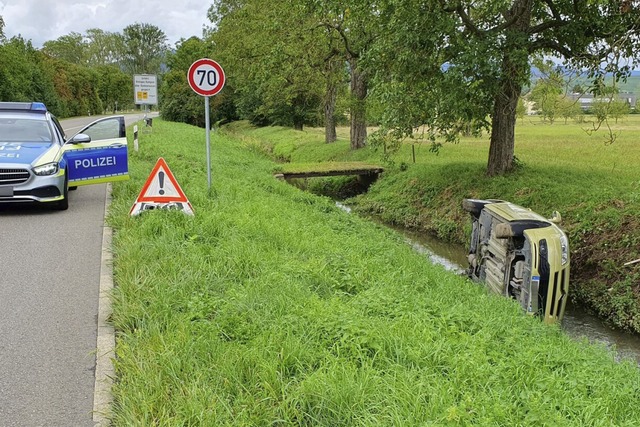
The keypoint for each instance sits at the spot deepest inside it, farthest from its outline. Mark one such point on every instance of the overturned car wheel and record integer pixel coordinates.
(475, 206)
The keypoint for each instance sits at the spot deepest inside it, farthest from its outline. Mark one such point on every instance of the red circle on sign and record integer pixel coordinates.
(206, 77)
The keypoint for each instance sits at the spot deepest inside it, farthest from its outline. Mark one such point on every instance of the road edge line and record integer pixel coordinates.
(106, 341)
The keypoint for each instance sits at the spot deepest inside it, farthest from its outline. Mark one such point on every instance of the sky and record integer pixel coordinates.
(44, 20)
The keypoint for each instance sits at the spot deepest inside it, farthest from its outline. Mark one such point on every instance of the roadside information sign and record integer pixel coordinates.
(161, 191)
(206, 78)
(145, 89)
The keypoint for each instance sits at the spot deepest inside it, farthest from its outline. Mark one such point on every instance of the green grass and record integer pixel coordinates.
(565, 167)
(272, 307)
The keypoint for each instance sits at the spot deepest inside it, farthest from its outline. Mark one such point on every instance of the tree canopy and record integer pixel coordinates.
(441, 61)
(79, 74)
(447, 65)
(145, 47)
(275, 54)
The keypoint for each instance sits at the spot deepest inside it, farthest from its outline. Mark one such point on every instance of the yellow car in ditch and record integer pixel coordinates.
(520, 254)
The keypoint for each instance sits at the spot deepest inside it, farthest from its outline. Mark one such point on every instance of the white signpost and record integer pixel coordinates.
(145, 89)
(206, 78)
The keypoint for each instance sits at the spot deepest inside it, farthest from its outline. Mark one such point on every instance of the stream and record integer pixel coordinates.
(577, 322)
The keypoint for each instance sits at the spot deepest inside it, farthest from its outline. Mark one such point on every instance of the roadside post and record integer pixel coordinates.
(135, 137)
(206, 78)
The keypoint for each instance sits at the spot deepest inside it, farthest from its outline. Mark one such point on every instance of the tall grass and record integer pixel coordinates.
(273, 307)
(564, 167)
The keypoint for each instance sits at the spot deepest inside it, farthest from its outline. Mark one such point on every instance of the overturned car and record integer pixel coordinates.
(520, 254)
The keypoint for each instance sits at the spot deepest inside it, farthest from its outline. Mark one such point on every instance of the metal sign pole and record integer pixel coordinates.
(208, 128)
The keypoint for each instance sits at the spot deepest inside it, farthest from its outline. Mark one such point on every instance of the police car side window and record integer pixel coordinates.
(105, 129)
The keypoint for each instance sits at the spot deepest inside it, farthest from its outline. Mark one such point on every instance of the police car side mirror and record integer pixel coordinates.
(80, 138)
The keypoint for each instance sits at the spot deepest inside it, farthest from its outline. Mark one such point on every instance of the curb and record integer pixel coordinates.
(106, 341)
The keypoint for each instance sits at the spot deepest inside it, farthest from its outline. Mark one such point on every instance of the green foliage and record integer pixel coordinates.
(113, 87)
(23, 75)
(604, 109)
(443, 63)
(75, 74)
(178, 101)
(104, 48)
(273, 307)
(273, 55)
(548, 93)
(145, 47)
(70, 48)
(76, 88)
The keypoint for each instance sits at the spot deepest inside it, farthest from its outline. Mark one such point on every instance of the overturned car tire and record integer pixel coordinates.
(475, 206)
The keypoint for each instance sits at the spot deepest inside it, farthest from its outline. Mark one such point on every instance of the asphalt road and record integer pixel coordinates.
(49, 283)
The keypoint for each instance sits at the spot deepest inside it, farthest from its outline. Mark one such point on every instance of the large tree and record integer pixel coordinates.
(443, 62)
(145, 47)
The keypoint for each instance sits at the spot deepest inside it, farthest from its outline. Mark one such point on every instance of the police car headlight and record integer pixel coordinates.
(46, 170)
(564, 247)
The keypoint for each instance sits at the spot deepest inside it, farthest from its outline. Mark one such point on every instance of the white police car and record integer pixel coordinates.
(38, 163)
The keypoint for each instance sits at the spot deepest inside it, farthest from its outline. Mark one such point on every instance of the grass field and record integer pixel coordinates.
(272, 307)
(594, 183)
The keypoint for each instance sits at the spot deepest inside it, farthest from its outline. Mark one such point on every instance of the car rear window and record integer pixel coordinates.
(24, 130)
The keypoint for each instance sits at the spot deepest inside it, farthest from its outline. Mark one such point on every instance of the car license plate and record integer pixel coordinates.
(6, 191)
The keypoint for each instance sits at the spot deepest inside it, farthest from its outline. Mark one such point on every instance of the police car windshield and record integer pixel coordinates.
(24, 130)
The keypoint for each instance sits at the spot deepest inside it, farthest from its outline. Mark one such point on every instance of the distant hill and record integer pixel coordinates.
(631, 85)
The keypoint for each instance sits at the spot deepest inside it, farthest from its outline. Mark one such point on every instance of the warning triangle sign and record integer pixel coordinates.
(161, 186)
(161, 191)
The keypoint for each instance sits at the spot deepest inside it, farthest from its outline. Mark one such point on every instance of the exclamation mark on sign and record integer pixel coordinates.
(161, 178)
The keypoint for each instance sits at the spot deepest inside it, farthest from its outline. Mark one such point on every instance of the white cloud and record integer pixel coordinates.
(43, 20)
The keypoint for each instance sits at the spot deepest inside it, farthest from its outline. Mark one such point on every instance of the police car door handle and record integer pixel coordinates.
(117, 145)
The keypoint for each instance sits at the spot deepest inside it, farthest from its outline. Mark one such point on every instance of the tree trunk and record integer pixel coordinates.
(515, 69)
(330, 98)
(503, 125)
(358, 107)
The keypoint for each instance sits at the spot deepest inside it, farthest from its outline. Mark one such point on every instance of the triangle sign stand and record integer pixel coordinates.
(161, 191)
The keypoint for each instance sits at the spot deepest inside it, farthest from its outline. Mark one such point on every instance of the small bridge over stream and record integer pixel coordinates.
(366, 172)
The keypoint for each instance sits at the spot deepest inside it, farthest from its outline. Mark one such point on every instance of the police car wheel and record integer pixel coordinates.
(63, 205)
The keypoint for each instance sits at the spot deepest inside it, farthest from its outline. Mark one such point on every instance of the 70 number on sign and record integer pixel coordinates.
(210, 75)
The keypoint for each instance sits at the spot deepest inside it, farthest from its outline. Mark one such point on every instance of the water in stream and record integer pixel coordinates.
(577, 322)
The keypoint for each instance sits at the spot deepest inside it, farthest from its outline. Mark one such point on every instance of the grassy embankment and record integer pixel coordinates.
(595, 186)
(273, 307)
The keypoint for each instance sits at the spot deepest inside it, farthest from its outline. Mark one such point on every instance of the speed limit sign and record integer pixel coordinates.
(206, 77)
